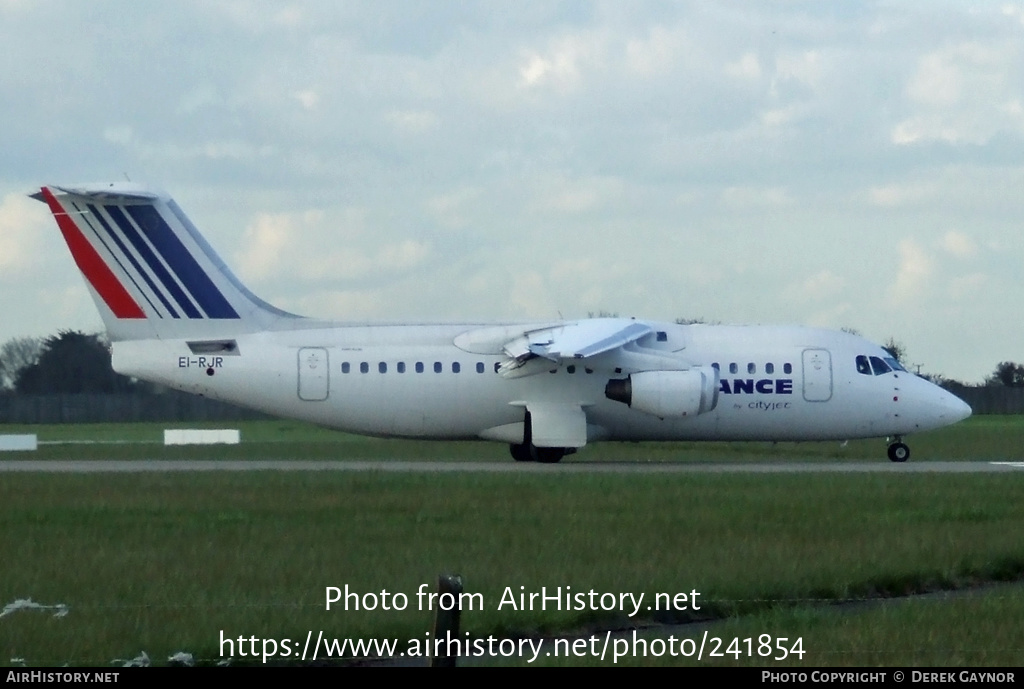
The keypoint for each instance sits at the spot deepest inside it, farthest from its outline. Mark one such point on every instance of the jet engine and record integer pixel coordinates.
(667, 393)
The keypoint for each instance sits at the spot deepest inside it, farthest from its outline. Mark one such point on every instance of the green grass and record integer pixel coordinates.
(983, 438)
(164, 562)
(971, 629)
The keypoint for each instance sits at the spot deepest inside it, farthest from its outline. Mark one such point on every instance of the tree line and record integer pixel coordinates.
(73, 362)
(70, 362)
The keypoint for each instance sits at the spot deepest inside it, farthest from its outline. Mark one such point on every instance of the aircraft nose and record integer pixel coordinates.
(958, 409)
(946, 408)
(929, 406)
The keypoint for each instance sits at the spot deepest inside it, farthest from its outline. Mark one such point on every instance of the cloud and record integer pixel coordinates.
(806, 68)
(312, 246)
(657, 53)
(402, 255)
(23, 222)
(348, 304)
(530, 296)
(913, 274)
(264, 241)
(747, 67)
(575, 196)
(452, 210)
(233, 149)
(740, 197)
(661, 141)
(900, 194)
(822, 285)
(561, 66)
(964, 94)
(969, 287)
(959, 245)
(413, 121)
(308, 98)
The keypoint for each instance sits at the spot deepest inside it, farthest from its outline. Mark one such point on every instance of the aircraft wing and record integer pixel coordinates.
(535, 350)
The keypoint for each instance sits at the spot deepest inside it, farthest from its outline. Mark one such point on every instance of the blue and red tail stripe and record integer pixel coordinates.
(94, 213)
(181, 262)
(92, 265)
(155, 265)
(147, 252)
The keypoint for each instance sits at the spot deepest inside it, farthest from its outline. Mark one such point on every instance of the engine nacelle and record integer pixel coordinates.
(667, 393)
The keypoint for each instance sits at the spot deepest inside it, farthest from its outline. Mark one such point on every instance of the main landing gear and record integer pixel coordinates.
(898, 451)
(532, 453)
(526, 451)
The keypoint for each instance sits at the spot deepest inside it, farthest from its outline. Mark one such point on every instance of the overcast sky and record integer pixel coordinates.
(841, 164)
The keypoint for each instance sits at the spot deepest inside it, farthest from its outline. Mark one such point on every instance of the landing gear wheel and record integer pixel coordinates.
(898, 452)
(549, 455)
(520, 453)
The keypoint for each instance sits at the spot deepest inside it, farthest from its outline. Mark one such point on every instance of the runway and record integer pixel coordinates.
(177, 466)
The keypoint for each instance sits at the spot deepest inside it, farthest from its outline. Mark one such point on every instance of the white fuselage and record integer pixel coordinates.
(177, 315)
(775, 383)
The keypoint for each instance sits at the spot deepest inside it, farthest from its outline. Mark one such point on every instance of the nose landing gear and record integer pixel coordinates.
(898, 451)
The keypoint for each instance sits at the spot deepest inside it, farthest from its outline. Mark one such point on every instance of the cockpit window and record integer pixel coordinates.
(879, 366)
(876, 366)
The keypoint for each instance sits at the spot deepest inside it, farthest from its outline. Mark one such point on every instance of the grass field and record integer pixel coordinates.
(983, 438)
(165, 562)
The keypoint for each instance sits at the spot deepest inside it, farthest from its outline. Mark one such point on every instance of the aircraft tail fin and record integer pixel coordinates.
(148, 269)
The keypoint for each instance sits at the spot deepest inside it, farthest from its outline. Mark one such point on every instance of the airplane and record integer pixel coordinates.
(176, 315)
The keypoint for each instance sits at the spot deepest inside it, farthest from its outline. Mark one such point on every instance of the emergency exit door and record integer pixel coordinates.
(314, 374)
(817, 375)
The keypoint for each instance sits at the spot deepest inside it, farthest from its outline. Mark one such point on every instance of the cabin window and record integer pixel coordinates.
(364, 367)
(419, 367)
(456, 367)
(570, 369)
(345, 367)
(716, 366)
(401, 367)
(382, 367)
(751, 368)
(769, 368)
(662, 336)
(787, 368)
(479, 367)
(438, 367)
(734, 368)
(497, 366)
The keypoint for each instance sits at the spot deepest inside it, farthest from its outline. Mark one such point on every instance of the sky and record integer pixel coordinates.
(852, 165)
